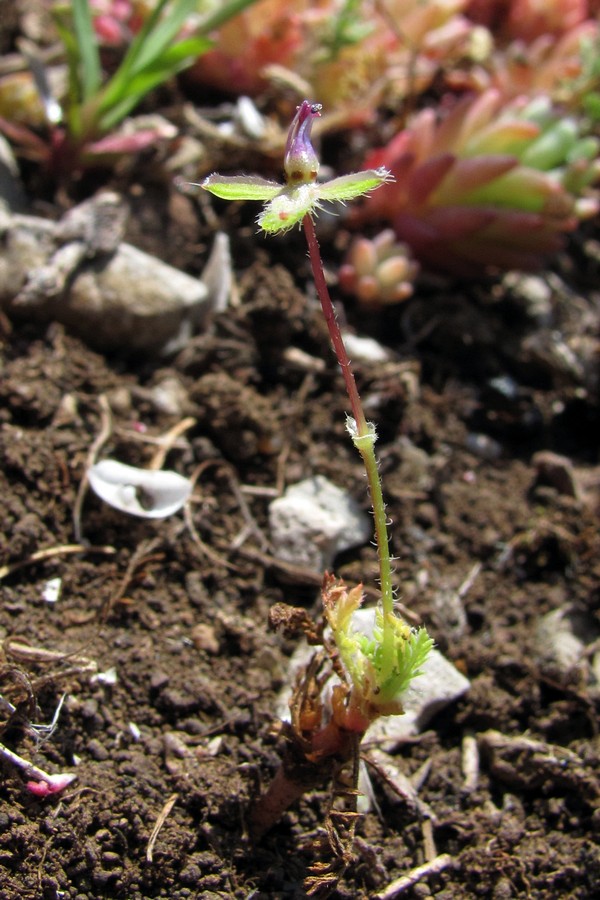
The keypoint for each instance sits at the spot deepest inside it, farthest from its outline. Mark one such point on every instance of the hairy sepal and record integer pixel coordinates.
(241, 187)
(289, 207)
(349, 187)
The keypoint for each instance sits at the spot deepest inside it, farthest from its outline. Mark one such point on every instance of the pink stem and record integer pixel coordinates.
(332, 324)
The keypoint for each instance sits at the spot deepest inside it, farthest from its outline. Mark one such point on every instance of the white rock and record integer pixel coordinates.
(562, 638)
(313, 521)
(365, 349)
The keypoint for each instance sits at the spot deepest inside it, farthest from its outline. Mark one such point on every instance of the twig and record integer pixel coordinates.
(50, 553)
(411, 878)
(251, 522)
(168, 440)
(162, 818)
(105, 432)
(470, 762)
(16, 650)
(143, 554)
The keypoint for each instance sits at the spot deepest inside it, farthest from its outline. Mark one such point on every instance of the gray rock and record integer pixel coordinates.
(313, 521)
(115, 297)
(562, 639)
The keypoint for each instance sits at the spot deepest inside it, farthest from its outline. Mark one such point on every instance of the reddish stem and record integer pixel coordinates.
(332, 324)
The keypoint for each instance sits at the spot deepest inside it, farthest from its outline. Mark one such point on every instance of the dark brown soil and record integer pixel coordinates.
(181, 619)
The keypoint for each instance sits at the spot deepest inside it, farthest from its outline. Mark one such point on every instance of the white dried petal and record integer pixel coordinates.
(147, 493)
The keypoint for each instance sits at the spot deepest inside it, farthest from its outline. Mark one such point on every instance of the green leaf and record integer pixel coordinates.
(145, 53)
(123, 94)
(156, 34)
(348, 187)
(87, 48)
(223, 13)
(241, 187)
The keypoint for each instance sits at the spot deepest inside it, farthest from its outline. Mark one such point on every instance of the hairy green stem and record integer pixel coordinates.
(364, 441)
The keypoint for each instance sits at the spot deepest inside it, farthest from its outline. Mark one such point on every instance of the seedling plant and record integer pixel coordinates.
(329, 717)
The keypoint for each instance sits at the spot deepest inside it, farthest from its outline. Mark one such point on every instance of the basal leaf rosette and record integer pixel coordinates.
(489, 186)
(378, 671)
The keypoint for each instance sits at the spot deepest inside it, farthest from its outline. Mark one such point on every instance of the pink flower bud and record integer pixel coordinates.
(301, 164)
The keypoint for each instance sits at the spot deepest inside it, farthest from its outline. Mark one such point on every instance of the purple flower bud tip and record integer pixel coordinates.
(301, 164)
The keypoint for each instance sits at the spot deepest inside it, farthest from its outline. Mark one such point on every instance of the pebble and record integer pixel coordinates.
(562, 638)
(314, 521)
(555, 470)
(365, 349)
(97, 750)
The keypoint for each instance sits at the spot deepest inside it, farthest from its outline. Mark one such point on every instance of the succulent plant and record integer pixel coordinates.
(527, 20)
(378, 271)
(490, 186)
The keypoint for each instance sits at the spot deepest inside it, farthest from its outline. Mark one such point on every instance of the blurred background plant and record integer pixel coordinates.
(378, 271)
(76, 126)
(461, 95)
(353, 54)
(488, 185)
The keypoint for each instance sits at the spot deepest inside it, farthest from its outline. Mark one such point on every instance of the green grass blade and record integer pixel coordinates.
(90, 71)
(119, 104)
(223, 14)
(151, 42)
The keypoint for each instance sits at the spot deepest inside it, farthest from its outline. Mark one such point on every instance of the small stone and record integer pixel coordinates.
(159, 681)
(561, 639)
(365, 349)
(97, 750)
(555, 470)
(314, 521)
(534, 293)
(204, 638)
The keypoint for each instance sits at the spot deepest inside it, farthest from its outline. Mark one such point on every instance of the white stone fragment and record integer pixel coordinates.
(315, 520)
(52, 590)
(365, 349)
(108, 678)
(147, 493)
(562, 639)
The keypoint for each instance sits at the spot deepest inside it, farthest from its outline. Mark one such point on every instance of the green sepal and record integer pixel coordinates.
(289, 207)
(348, 187)
(241, 187)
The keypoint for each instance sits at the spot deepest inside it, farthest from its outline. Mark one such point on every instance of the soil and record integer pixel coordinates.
(159, 641)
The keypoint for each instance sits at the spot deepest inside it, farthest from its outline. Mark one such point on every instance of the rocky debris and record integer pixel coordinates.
(80, 272)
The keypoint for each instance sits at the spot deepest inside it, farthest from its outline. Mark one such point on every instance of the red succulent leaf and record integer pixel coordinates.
(427, 177)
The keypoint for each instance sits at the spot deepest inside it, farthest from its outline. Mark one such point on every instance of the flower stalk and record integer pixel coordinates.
(363, 436)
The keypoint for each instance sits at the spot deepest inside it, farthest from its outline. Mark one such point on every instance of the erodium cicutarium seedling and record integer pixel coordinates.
(373, 669)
